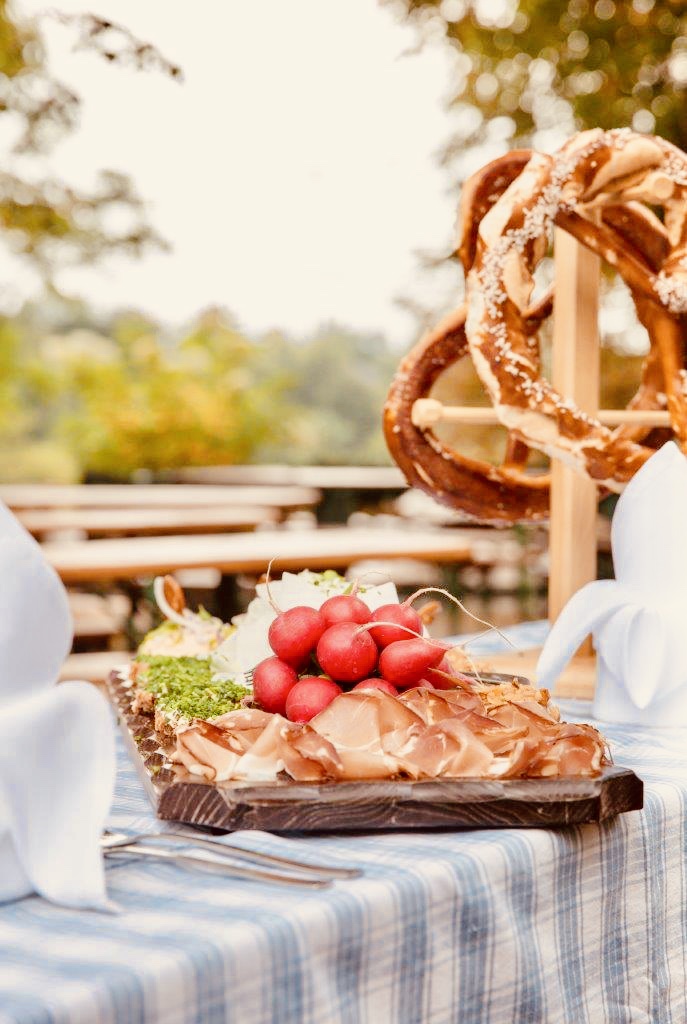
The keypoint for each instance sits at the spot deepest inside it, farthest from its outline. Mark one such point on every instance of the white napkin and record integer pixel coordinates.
(248, 645)
(56, 742)
(639, 619)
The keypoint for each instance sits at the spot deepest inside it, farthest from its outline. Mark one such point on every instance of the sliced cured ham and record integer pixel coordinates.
(370, 730)
(255, 745)
(422, 734)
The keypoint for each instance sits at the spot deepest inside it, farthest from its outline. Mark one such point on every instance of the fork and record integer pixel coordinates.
(217, 867)
(118, 840)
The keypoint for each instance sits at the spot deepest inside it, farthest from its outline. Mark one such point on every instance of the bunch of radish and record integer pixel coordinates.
(319, 654)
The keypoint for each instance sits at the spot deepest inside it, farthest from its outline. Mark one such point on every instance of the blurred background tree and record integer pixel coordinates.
(339, 380)
(48, 222)
(533, 71)
(133, 399)
(89, 398)
(84, 395)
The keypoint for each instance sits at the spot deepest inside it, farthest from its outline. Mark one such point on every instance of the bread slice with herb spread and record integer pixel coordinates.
(172, 675)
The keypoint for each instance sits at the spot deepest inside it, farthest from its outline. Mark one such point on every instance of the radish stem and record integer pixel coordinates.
(439, 590)
(367, 626)
(360, 580)
(273, 604)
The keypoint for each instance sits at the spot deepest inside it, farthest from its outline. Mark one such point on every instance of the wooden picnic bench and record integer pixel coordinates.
(92, 561)
(345, 489)
(47, 496)
(355, 478)
(114, 522)
(93, 666)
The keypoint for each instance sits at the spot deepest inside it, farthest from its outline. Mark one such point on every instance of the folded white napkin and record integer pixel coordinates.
(639, 619)
(56, 742)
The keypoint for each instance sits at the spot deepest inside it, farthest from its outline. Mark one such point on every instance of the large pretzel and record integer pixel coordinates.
(594, 171)
(477, 488)
(507, 494)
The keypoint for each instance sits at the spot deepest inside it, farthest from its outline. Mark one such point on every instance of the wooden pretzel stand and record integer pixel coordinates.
(574, 499)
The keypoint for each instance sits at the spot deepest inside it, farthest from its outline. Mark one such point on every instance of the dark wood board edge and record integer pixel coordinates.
(620, 794)
(286, 806)
(375, 809)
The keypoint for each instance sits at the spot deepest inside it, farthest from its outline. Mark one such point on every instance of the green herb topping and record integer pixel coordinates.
(326, 577)
(185, 687)
(330, 578)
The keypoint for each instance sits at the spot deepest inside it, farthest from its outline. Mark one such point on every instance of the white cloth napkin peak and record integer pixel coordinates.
(639, 619)
(56, 742)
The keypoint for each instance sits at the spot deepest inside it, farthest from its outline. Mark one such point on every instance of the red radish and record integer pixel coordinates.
(294, 634)
(405, 662)
(403, 614)
(309, 696)
(345, 608)
(376, 684)
(304, 665)
(272, 681)
(347, 653)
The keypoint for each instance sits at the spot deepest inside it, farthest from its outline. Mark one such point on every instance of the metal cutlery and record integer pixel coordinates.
(217, 867)
(113, 841)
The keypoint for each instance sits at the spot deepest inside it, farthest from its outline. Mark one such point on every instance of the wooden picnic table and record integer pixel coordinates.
(345, 489)
(112, 522)
(329, 548)
(325, 478)
(25, 496)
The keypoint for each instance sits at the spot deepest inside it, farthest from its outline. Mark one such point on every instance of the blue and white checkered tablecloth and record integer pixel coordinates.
(568, 926)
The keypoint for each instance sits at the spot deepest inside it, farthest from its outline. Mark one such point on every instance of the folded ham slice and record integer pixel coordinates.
(204, 749)
(255, 745)
(371, 731)
(450, 749)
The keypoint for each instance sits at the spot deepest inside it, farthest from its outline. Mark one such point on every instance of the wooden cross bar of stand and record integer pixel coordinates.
(427, 412)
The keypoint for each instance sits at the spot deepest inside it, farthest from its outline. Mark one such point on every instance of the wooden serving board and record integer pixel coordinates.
(287, 806)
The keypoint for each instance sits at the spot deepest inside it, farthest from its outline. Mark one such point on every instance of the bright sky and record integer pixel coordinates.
(294, 171)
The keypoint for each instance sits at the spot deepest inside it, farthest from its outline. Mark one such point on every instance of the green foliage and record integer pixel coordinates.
(539, 65)
(104, 400)
(339, 381)
(132, 398)
(79, 398)
(184, 687)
